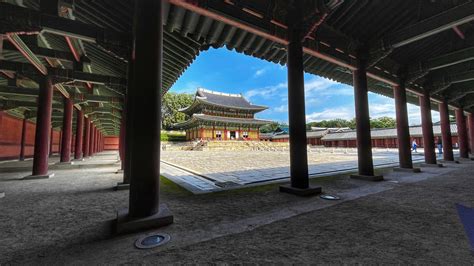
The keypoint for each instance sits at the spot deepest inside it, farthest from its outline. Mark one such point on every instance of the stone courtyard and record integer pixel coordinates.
(212, 170)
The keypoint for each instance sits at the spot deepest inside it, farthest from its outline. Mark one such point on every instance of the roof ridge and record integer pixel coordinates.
(220, 93)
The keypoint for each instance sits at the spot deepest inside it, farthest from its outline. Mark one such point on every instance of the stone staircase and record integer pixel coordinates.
(228, 145)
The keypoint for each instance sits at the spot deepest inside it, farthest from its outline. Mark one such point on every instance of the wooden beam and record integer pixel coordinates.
(19, 19)
(433, 25)
(63, 75)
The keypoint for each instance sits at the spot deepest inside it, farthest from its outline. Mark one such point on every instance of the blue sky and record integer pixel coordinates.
(265, 83)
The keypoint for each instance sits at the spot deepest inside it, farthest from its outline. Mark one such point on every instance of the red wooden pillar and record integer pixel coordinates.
(403, 133)
(99, 137)
(470, 120)
(43, 126)
(79, 135)
(96, 139)
(59, 140)
(87, 134)
(427, 128)
(122, 141)
(91, 140)
(462, 133)
(128, 126)
(67, 131)
(23, 139)
(446, 131)
(364, 144)
(73, 141)
(299, 178)
(144, 184)
(51, 140)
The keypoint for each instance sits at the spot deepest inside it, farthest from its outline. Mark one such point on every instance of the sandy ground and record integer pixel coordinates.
(410, 218)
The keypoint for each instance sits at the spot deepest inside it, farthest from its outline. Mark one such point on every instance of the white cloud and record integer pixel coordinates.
(282, 108)
(318, 86)
(260, 72)
(344, 112)
(266, 92)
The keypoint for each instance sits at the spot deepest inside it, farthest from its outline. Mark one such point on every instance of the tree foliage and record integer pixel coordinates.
(381, 122)
(338, 122)
(172, 102)
(269, 128)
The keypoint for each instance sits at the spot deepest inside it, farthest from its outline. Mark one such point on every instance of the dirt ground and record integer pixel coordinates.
(409, 218)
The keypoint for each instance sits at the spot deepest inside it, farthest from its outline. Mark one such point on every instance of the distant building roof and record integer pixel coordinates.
(315, 132)
(226, 100)
(415, 131)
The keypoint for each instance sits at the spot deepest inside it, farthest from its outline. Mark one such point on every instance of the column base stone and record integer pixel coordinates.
(367, 177)
(119, 171)
(310, 191)
(126, 224)
(465, 159)
(122, 186)
(407, 170)
(32, 177)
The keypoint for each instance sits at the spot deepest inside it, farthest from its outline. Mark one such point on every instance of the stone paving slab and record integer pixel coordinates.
(200, 171)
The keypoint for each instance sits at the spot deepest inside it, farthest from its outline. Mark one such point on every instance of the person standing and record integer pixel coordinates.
(414, 145)
(439, 142)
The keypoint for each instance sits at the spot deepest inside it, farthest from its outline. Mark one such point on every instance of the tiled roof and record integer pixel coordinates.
(226, 99)
(415, 131)
(309, 134)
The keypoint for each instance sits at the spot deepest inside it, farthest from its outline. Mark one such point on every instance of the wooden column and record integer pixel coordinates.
(403, 131)
(364, 142)
(51, 140)
(427, 128)
(67, 131)
(43, 126)
(296, 106)
(23, 139)
(79, 135)
(87, 129)
(144, 208)
(470, 120)
(446, 131)
(91, 140)
(462, 133)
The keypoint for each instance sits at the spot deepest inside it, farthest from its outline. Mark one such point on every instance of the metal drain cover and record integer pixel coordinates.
(152, 240)
(329, 197)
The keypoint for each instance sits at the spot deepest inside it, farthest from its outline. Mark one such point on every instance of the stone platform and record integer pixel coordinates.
(206, 171)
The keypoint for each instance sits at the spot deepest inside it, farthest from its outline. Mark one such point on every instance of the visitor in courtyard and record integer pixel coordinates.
(439, 142)
(414, 145)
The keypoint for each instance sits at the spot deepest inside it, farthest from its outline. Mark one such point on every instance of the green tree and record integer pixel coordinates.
(269, 128)
(172, 102)
(383, 122)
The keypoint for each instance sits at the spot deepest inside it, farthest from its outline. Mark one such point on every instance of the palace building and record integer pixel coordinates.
(221, 116)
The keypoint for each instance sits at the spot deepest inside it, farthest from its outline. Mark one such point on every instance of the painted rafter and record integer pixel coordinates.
(428, 27)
